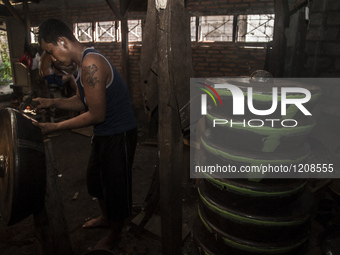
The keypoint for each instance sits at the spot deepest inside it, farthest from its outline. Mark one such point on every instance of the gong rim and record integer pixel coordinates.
(23, 186)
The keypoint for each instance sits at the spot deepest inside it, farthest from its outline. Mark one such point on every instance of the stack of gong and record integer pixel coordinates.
(22, 167)
(253, 213)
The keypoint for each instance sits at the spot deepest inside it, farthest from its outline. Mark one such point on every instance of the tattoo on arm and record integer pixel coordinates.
(89, 72)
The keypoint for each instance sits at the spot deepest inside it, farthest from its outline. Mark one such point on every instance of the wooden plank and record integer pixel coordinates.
(50, 224)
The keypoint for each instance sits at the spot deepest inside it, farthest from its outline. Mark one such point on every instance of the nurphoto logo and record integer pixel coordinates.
(238, 99)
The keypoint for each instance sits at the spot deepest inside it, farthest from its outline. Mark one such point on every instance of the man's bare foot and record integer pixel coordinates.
(99, 222)
(107, 243)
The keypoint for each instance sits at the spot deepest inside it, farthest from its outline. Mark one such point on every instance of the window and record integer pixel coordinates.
(255, 28)
(216, 28)
(135, 30)
(83, 32)
(34, 34)
(106, 31)
(233, 28)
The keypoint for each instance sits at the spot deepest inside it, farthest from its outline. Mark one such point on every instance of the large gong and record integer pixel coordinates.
(22, 167)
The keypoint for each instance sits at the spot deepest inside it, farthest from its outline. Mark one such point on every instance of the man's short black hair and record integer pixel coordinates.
(52, 29)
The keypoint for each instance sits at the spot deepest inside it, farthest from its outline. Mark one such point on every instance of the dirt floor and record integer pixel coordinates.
(71, 150)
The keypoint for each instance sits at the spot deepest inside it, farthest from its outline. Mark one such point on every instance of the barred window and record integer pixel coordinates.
(34, 34)
(83, 32)
(106, 31)
(135, 30)
(216, 28)
(255, 28)
(233, 28)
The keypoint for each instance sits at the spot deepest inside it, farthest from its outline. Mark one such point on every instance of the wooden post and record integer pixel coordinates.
(27, 22)
(278, 54)
(171, 79)
(297, 5)
(125, 6)
(125, 49)
(50, 224)
(125, 36)
(166, 68)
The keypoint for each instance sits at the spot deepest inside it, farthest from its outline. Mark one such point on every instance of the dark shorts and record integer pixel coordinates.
(109, 172)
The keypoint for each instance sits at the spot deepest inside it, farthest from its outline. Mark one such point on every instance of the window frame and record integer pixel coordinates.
(118, 36)
(235, 33)
(90, 34)
(138, 26)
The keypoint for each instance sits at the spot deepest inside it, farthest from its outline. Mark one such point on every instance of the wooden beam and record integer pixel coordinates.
(27, 22)
(13, 11)
(124, 7)
(125, 50)
(125, 40)
(114, 9)
(170, 142)
(174, 70)
(278, 53)
(297, 5)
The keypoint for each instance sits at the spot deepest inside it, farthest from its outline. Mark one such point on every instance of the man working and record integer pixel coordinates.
(55, 74)
(103, 95)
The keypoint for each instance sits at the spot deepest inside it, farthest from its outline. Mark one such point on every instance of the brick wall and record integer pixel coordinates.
(230, 6)
(226, 59)
(209, 59)
(134, 77)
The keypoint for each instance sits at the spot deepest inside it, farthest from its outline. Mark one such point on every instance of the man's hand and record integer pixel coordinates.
(42, 103)
(46, 128)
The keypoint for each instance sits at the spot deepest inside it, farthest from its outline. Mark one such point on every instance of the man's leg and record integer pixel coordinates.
(101, 221)
(94, 183)
(120, 202)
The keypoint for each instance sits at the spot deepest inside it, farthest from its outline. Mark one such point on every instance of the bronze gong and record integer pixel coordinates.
(22, 167)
